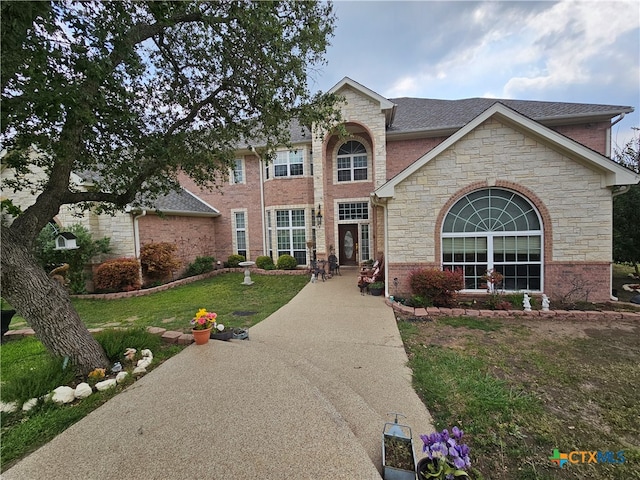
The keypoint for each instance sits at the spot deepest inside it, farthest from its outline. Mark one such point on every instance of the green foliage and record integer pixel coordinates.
(116, 342)
(199, 266)
(234, 260)
(440, 286)
(286, 262)
(158, 260)
(376, 285)
(626, 210)
(28, 371)
(265, 262)
(175, 85)
(88, 248)
(118, 275)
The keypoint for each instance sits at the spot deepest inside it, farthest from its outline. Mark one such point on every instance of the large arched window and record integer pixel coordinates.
(352, 162)
(494, 229)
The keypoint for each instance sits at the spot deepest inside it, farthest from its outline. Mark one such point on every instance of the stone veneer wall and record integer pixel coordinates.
(576, 208)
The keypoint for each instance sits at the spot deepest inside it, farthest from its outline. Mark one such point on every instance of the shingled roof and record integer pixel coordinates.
(423, 114)
(185, 203)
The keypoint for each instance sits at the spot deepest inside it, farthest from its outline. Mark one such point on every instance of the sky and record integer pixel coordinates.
(565, 51)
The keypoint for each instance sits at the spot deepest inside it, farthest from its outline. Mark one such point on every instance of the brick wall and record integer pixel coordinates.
(194, 236)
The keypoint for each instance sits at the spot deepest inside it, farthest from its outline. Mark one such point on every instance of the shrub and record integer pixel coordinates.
(265, 262)
(200, 265)
(47, 255)
(287, 262)
(159, 259)
(116, 342)
(234, 260)
(118, 275)
(440, 286)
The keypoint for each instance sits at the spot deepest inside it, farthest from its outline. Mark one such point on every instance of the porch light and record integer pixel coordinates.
(319, 217)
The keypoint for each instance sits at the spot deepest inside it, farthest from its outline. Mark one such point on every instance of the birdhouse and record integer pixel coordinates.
(66, 241)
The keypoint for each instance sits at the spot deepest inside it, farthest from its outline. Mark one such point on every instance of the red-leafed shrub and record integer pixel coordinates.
(158, 260)
(441, 286)
(118, 275)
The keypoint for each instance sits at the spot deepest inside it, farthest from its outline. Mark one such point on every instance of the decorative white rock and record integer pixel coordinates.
(106, 384)
(8, 407)
(146, 353)
(144, 362)
(130, 354)
(139, 370)
(29, 404)
(63, 394)
(83, 390)
(121, 377)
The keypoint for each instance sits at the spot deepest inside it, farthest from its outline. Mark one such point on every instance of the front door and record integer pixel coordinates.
(348, 244)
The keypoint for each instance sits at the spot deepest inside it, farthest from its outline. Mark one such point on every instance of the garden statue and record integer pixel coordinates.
(526, 302)
(545, 303)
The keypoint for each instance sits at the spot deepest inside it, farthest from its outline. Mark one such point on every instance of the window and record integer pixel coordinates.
(353, 211)
(237, 173)
(288, 164)
(494, 229)
(290, 228)
(364, 242)
(240, 233)
(352, 162)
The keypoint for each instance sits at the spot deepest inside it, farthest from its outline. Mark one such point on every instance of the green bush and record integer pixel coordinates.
(440, 286)
(287, 262)
(200, 265)
(234, 260)
(47, 255)
(265, 262)
(116, 342)
(158, 260)
(118, 275)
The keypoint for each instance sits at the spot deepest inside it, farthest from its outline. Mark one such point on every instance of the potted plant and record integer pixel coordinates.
(202, 324)
(376, 288)
(398, 459)
(446, 457)
(219, 333)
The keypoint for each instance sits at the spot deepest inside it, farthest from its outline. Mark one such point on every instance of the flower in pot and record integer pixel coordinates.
(202, 324)
(446, 457)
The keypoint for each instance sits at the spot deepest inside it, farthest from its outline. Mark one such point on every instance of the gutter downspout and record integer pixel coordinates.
(623, 189)
(608, 145)
(136, 236)
(263, 214)
(378, 203)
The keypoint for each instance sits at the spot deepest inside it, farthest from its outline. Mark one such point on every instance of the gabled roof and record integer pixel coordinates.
(612, 173)
(424, 114)
(386, 106)
(184, 203)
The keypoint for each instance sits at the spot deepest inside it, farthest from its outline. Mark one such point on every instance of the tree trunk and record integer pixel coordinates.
(46, 306)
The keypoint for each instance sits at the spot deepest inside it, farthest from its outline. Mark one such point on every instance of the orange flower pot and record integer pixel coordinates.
(201, 336)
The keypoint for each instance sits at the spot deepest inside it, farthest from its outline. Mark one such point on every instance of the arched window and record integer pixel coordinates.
(352, 162)
(494, 229)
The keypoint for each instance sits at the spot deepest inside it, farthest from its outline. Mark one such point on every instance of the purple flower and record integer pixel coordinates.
(459, 462)
(457, 433)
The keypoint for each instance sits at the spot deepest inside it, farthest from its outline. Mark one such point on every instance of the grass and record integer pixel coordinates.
(522, 388)
(28, 371)
(237, 305)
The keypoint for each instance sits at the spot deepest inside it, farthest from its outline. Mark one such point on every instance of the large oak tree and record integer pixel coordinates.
(136, 93)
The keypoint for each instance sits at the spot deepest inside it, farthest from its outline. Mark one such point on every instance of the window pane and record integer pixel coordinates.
(360, 174)
(344, 175)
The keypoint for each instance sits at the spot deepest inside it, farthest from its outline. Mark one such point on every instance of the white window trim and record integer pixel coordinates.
(367, 148)
(234, 235)
(232, 173)
(305, 165)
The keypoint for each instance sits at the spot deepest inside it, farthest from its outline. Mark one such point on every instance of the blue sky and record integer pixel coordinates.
(568, 51)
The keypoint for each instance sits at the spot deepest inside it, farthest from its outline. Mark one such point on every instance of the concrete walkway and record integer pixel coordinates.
(306, 397)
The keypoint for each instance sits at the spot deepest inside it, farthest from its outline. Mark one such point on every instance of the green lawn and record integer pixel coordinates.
(27, 371)
(237, 305)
